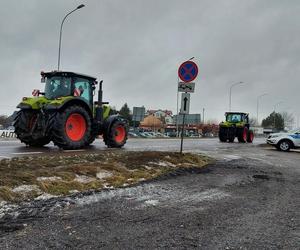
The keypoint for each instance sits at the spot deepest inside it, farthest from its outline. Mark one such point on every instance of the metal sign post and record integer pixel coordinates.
(187, 72)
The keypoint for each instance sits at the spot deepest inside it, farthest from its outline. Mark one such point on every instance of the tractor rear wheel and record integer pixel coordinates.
(250, 136)
(242, 135)
(71, 128)
(116, 136)
(25, 125)
(223, 134)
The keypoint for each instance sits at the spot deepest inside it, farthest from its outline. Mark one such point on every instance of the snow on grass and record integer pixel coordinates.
(52, 178)
(84, 179)
(45, 196)
(26, 189)
(104, 174)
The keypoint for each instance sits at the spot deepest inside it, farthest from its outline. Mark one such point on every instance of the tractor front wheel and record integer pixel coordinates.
(71, 128)
(116, 136)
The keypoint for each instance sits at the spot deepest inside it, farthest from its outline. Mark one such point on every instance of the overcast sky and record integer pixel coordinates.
(136, 46)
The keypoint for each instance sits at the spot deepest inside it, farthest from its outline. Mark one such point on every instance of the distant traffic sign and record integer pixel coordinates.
(188, 71)
(188, 87)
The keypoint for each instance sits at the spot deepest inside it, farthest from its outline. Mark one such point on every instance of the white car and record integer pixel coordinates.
(285, 141)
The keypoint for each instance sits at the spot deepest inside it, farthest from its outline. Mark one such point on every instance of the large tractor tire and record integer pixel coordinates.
(116, 136)
(223, 134)
(25, 125)
(242, 135)
(231, 134)
(71, 128)
(250, 136)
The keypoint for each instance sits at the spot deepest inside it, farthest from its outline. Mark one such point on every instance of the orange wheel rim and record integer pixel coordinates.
(245, 134)
(75, 127)
(120, 134)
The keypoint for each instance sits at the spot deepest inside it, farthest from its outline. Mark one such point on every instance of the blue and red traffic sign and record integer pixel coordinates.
(188, 71)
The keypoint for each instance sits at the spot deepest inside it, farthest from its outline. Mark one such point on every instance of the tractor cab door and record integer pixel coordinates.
(82, 88)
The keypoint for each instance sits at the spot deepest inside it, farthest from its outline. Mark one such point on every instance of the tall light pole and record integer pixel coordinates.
(230, 90)
(60, 33)
(278, 103)
(257, 104)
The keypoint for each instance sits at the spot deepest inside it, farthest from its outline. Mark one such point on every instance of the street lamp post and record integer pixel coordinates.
(60, 33)
(278, 103)
(230, 90)
(257, 104)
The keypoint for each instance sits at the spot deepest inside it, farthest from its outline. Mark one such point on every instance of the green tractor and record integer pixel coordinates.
(67, 114)
(236, 125)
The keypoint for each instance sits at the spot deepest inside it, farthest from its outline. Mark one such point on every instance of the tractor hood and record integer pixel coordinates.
(231, 124)
(41, 101)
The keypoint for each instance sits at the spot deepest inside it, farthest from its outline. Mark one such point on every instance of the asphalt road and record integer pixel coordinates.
(248, 199)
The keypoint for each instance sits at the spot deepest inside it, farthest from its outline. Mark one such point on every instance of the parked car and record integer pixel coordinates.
(285, 141)
(132, 134)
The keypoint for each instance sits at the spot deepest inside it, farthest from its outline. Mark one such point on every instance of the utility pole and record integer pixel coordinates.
(230, 90)
(203, 121)
(257, 104)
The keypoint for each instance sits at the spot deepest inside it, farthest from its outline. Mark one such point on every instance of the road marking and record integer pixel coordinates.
(27, 153)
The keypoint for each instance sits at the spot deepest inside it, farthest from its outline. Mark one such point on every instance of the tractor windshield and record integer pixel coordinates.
(234, 118)
(57, 86)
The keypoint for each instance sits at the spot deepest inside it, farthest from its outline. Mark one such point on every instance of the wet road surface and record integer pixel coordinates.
(248, 199)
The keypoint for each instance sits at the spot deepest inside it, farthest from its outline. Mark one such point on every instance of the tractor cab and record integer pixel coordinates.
(234, 117)
(61, 84)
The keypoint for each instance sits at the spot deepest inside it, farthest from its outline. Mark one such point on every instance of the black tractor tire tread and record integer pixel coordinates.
(223, 134)
(58, 133)
(248, 136)
(240, 135)
(108, 137)
(23, 132)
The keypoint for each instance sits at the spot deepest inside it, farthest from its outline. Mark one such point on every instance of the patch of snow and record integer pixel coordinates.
(26, 189)
(84, 179)
(163, 164)
(152, 202)
(52, 178)
(73, 191)
(104, 174)
(232, 157)
(45, 196)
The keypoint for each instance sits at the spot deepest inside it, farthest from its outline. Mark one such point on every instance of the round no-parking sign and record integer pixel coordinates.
(188, 71)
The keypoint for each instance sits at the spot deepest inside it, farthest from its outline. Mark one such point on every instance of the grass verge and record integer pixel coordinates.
(27, 178)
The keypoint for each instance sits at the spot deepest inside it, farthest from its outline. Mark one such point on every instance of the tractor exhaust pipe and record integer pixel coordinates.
(99, 109)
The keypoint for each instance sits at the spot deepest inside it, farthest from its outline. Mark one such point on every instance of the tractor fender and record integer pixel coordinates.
(110, 120)
(69, 102)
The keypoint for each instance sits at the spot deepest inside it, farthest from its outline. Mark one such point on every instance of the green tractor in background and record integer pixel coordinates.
(67, 114)
(236, 125)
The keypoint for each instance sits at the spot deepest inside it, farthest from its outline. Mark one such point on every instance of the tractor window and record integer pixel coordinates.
(233, 118)
(57, 86)
(82, 89)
